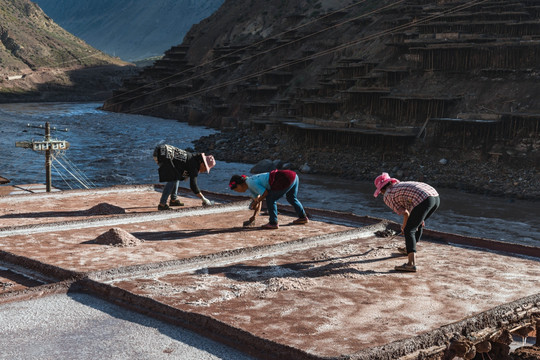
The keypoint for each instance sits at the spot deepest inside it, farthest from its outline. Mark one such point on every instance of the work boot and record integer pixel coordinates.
(301, 221)
(270, 226)
(406, 267)
(163, 207)
(176, 202)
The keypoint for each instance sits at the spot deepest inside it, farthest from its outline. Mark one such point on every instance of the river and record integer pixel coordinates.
(116, 149)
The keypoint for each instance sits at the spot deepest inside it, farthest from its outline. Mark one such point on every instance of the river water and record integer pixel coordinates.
(116, 149)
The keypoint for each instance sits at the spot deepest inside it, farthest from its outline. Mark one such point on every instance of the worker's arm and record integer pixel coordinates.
(256, 210)
(257, 204)
(194, 185)
(406, 214)
(195, 188)
(260, 198)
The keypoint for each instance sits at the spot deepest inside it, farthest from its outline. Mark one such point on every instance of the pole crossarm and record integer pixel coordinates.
(24, 144)
(50, 145)
(43, 127)
(43, 145)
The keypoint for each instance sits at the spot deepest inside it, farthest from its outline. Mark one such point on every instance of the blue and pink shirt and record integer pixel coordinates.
(258, 184)
(276, 180)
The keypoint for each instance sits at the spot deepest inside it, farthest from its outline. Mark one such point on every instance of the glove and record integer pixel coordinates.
(206, 202)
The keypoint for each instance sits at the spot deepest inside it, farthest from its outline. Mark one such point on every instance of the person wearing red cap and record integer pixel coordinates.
(177, 165)
(416, 202)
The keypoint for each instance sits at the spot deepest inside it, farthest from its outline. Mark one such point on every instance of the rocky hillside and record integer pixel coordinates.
(129, 29)
(449, 81)
(37, 55)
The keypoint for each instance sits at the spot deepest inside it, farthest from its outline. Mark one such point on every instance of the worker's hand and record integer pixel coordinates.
(206, 202)
(252, 205)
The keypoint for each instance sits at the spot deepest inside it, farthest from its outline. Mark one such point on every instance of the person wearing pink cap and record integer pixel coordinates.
(416, 201)
(177, 165)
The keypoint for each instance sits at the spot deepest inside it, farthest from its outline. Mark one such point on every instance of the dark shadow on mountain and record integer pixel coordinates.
(86, 84)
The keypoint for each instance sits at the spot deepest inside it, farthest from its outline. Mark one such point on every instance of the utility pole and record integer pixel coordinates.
(48, 178)
(47, 145)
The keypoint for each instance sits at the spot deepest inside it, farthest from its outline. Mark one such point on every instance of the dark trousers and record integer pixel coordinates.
(171, 188)
(413, 228)
(291, 195)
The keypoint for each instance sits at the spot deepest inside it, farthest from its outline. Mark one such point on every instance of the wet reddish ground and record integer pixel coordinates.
(327, 288)
(341, 298)
(23, 189)
(164, 240)
(75, 205)
(166, 235)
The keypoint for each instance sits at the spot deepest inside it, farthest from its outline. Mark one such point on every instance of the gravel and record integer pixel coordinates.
(80, 326)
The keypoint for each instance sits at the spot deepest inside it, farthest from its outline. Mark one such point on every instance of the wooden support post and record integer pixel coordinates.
(48, 177)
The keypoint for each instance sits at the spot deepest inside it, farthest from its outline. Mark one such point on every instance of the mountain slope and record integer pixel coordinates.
(31, 40)
(41, 61)
(130, 29)
(457, 75)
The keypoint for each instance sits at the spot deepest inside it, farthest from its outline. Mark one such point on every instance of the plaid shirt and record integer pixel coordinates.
(407, 195)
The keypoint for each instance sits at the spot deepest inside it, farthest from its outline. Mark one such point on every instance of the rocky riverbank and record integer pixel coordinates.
(467, 172)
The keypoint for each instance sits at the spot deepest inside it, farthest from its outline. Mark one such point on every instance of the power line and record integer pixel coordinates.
(274, 37)
(311, 57)
(76, 170)
(61, 176)
(72, 175)
(250, 57)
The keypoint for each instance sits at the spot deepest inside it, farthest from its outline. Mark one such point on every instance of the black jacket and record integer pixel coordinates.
(177, 164)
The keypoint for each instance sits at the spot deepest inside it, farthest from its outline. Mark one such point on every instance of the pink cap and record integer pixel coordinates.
(381, 181)
(209, 161)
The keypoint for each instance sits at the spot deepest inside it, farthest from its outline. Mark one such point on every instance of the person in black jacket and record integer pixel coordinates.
(177, 165)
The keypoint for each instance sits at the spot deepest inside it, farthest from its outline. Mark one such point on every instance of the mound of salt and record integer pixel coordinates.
(118, 237)
(105, 209)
